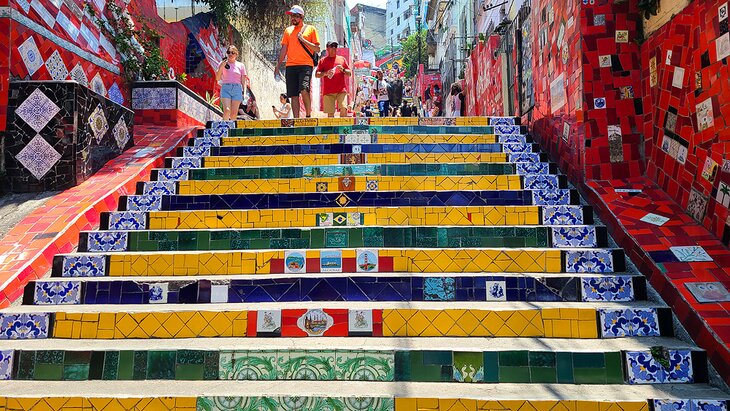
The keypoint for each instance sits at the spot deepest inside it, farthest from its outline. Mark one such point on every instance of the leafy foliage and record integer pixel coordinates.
(410, 53)
(139, 48)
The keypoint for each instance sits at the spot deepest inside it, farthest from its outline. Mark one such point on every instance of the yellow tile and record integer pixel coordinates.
(405, 404)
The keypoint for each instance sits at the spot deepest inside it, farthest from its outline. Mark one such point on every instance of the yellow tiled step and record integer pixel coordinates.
(193, 263)
(353, 216)
(373, 121)
(369, 183)
(333, 159)
(382, 139)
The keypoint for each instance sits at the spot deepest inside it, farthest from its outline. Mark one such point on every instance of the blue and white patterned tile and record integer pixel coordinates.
(6, 364)
(614, 288)
(588, 261)
(219, 129)
(643, 368)
(104, 241)
(671, 405)
(24, 326)
(161, 98)
(115, 94)
(550, 197)
(496, 290)
(144, 203)
(514, 138)
(562, 215)
(79, 75)
(690, 254)
(524, 169)
(158, 293)
(508, 129)
(196, 151)
(37, 110)
(56, 67)
(642, 322)
(501, 121)
(121, 134)
(59, 292)
(127, 220)
(541, 182)
(30, 55)
(38, 157)
(172, 174)
(186, 162)
(97, 122)
(159, 188)
(574, 236)
(207, 142)
(84, 266)
(524, 158)
(709, 405)
(515, 148)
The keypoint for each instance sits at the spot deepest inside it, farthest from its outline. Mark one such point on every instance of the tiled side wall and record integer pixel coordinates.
(686, 92)
(485, 71)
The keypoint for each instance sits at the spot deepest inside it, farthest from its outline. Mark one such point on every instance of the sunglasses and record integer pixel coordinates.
(231, 53)
(298, 16)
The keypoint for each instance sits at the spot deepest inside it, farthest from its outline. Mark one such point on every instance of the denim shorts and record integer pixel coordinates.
(233, 91)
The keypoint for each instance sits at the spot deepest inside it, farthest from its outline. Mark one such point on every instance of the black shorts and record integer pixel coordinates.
(298, 78)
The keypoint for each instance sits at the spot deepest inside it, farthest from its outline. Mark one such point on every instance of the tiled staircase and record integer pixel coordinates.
(426, 267)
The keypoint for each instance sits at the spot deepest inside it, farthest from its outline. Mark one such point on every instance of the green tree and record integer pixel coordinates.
(410, 53)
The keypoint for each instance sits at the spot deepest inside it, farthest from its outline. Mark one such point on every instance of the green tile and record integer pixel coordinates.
(111, 365)
(140, 365)
(419, 371)
(316, 238)
(189, 372)
(543, 375)
(76, 372)
(588, 360)
(49, 357)
(614, 368)
(211, 360)
(336, 239)
(161, 365)
(491, 366)
(541, 359)
(564, 362)
(402, 366)
(468, 366)
(513, 359)
(77, 357)
(437, 357)
(48, 372)
(26, 365)
(190, 356)
(514, 374)
(589, 375)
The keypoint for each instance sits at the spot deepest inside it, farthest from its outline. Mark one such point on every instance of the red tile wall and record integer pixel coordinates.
(483, 78)
(698, 182)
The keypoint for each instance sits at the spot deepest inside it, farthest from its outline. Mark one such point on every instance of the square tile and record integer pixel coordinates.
(98, 123)
(158, 293)
(321, 187)
(106, 241)
(127, 220)
(78, 75)
(622, 36)
(38, 157)
(56, 67)
(83, 266)
(330, 261)
(268, 322)
(697, 205)
(37, 110)
(655, 219)
(144, 203)
(219, 293)
(371, 185)
(346, 184)
(57, 293)
(367, 261)
(708, 292)
(496, 290)
(315, 322)
(295, 261)
(356, 149)
(690, 253)
(121, 134)
(24, 326)
(30, 55)
(324, 219)
(607, 288)
(97, 84)
(439, 289)
(468, 366)
(604, 61)
(629, 323)
(599, 103)
(360, 321)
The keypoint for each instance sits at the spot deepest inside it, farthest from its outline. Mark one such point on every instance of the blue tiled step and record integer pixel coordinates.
(354, 149)
(333, 287)
(172, 174)
(338, 237)
(348, 199)
(549, 215)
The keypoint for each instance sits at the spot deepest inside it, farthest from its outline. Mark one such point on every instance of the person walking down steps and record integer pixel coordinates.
(234, 79)
(332, 70)
(300, 48)
(381, 92)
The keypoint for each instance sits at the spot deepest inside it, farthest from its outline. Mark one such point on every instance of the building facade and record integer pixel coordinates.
(400, 18)
(367, 24)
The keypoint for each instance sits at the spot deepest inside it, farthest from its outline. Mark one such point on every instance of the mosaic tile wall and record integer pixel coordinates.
(169, 103)
(60, 133)
(683, 80)
(484, 96)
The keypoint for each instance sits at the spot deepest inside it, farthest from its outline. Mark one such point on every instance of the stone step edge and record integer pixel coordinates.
(406, 393)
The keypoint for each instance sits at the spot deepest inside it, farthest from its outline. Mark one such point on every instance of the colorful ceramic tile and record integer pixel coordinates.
(607, 288)
(83, 266)
(330, 261)
(599, 103)
(367, 261)
(371, 185)
(127, 220)
(172, 174)
(79, 75)
(57, 293)
(705, 114)
(315, 322)
(439, 289)
(37, 110)
(219, 293)
(196, 151)
(642, 322)
(187, 162)
(31, 56)
(709, 171)
(622, 36)
(115, 94)
(506, 129)
(24, 326)
(6, 364)
(496, 290)
(104, 241)
(38, 157)
(562, 215)
(525, 169)
(268, 323)
(98, 123)
(207, 142)
(360, 321)
(551, 197)
(511, 139)
(468, 366)
(321, 187)
(708, 292)
(574, 236)
(524, 158)
(121, 134)
(159, 188)
(547, 182)
(295, 261)
(514, 148)
(97, 84)
(697, 205)
(655, 219)
(144, 203)
(56, 67)
(709, 405)
(158, 293)
(690, 254)
(643, 368)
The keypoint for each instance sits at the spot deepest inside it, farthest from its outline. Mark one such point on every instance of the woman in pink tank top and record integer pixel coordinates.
(232, 74)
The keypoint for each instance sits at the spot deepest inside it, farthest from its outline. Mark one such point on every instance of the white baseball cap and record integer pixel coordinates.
(296, 9)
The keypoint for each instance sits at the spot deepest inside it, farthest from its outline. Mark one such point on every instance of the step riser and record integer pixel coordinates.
(340, 260)
(427, 237)
(359, 365)
(584, 323)
(359, 138)
(480, 288)
(344, 217)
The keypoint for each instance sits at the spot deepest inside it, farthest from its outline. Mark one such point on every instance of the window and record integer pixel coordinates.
(391, 14)
(407, 14)
(397, 4)
(398, 21)
(391, 32)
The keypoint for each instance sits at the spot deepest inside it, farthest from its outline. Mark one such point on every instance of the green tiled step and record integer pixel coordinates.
(379, 237)
(246, 173)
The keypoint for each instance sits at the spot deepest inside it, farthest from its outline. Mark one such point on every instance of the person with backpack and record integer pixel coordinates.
(300, 49)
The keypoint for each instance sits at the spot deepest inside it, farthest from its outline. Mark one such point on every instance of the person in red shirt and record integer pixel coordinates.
(332, 70)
